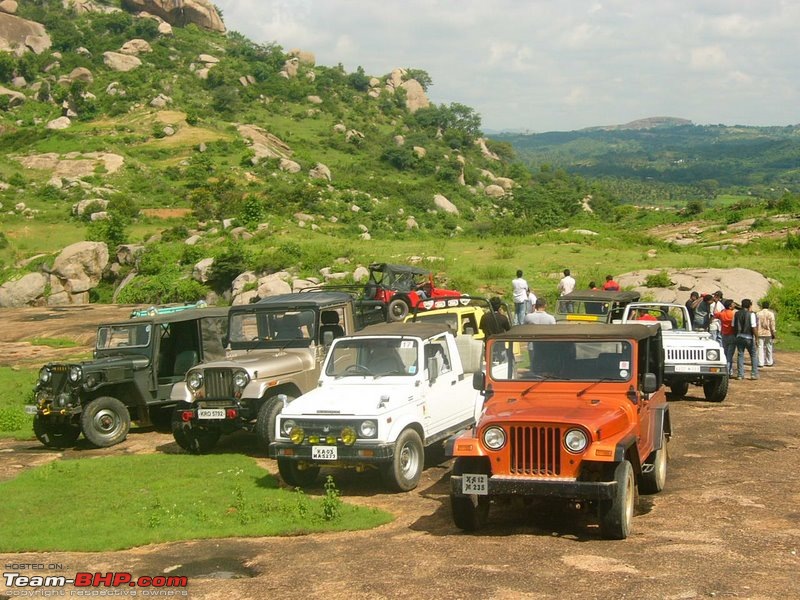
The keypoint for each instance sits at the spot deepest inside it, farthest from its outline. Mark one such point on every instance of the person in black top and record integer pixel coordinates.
(693, 300)
(496, 322)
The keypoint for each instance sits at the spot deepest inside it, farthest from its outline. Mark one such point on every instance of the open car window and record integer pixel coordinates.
(134, 335)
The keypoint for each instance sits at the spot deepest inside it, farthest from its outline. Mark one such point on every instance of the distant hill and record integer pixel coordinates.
(668, 150)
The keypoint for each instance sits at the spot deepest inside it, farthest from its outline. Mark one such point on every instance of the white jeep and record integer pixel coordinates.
(385, 395)
(690, 356)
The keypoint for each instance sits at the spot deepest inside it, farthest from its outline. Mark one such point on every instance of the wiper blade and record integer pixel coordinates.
(539, 380)
(591, 385)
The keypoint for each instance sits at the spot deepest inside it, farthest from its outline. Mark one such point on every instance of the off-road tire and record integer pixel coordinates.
(54, 433)
(616, 514)
(294, 476)
(679, 388)
(265, 422)
(397, 310)
(105, 421)
(403, 473)
(653, 482)
(195, 439)
(716, 389)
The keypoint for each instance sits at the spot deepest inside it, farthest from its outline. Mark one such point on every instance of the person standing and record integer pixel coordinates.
(745, 326)
(766, 335)
(496, 322)
(610, 285)
(690, 305)
(519, 292)
(567, 283)
(725, 317)
(540, 316)
(531, 305)
(717, 305)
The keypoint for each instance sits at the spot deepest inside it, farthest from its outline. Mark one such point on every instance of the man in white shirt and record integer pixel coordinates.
(519, 293)
(540, 316)
(565, 286)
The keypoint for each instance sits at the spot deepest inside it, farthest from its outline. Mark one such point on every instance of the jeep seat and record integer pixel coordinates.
(330, 322)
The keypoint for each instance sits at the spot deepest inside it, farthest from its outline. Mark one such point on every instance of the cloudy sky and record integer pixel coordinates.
(545, 65)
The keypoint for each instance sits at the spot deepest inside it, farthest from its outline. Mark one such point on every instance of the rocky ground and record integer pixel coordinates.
(727, 524)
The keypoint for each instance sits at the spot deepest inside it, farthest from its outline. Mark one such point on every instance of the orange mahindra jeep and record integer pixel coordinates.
(580, 414)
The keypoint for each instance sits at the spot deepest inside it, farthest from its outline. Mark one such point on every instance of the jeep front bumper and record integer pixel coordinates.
(374, 453)
(542, 488)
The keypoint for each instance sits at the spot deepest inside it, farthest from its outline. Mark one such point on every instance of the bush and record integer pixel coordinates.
(660, 280)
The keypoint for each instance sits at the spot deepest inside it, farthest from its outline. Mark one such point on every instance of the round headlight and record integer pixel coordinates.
(194, 380)
(348, 436)
(297, 435)
(75, 373)
(45, 375)
(368, 428)
(712, 354)
(201, 304)
(240, 379)
(576, 440)
(494, 438)
(287, 426)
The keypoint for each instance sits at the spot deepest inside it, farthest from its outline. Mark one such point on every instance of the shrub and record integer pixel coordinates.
(660, 279)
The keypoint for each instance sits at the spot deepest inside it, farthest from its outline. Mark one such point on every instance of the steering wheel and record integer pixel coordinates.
(358, 369)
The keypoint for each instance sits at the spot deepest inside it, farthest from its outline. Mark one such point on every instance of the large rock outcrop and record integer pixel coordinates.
(180, 12)
(80, 266)
(20, 35)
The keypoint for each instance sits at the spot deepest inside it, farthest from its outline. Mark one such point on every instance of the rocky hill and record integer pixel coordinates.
(116, 113)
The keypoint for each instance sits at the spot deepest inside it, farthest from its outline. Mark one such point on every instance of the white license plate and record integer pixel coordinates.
(210, 413)
(30, 409)
(324, 453)
(687, 368)
(475, 484)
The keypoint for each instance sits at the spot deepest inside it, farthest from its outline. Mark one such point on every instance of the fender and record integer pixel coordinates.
(180, 393)
(395, 427)
(464, 445)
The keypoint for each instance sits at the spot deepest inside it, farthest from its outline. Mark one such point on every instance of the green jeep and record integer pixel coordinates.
(135, 365)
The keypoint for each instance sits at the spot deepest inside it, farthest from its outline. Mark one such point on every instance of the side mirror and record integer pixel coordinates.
(650, 383)
(478, 380)
(327, 338)
(433, 369)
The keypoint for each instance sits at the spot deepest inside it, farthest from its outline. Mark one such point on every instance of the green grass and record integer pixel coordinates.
(117, 502)
(53, 342)
(16, 388)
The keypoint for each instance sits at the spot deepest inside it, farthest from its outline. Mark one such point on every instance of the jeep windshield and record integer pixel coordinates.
(561, 360)
(373, 357)
(278, 328)
(131, 335)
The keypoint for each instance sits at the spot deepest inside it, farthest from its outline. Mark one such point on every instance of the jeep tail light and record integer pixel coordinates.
(186, 416)
(231, 413)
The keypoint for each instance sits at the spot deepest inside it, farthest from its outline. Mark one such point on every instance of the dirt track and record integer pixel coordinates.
(727, 525)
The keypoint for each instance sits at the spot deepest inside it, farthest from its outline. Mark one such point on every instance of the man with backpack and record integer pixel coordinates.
(745, 325)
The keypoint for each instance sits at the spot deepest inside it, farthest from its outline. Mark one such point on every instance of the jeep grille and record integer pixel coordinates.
(218, 383)
(686, 354)
(535, 450)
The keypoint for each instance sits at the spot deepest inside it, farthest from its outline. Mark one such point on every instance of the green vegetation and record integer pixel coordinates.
(386, 165)
(16, 390)
(53, 342)
(116, 502)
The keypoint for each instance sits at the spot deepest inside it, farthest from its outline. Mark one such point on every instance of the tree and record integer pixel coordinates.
(420, 76)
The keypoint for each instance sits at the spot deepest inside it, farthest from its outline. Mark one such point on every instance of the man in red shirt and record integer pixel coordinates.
(610, 285)
(725, 317)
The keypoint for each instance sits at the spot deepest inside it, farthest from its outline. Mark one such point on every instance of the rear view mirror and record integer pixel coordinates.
(650, 383)
(478, 380)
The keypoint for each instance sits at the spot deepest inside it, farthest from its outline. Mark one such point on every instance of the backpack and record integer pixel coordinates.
(742, 323)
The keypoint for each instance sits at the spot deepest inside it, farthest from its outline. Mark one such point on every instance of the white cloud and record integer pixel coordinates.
(552, 64)
(708, 58)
